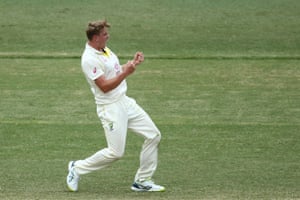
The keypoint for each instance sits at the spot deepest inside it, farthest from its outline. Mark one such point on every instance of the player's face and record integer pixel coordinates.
(102, 37)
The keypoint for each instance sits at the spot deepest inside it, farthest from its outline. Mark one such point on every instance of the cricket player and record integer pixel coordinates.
(116, 111)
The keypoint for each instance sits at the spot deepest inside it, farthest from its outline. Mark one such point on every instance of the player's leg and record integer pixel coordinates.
(140, 123)
(149, 154)
(114, 122)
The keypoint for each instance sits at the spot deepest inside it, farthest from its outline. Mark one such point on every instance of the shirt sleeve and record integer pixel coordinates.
(92, 69)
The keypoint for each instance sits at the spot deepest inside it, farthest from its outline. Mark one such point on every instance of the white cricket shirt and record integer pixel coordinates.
(96, 63)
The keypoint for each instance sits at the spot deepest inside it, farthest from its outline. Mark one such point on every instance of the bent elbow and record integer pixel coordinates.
(104, 89)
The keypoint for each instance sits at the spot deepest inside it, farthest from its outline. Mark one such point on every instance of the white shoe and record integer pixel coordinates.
(72, 178)
(147, 186)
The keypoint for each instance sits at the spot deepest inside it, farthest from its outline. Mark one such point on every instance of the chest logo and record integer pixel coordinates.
(117, 68)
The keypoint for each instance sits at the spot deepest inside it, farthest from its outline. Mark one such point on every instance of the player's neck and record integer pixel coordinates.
(96, 46)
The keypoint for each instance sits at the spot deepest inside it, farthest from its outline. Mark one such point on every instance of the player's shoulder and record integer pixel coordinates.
(88, 60)
(89, 54)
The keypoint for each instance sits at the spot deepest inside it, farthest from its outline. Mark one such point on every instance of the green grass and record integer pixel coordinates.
(221, 81)
(231, 131)
(164, 28)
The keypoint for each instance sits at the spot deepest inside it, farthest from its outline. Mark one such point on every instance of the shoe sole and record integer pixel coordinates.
(144, 190)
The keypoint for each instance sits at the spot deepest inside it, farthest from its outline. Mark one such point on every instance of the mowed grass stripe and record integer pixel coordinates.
(59, 55)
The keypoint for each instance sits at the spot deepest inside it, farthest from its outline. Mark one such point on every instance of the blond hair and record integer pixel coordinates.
(94, 28)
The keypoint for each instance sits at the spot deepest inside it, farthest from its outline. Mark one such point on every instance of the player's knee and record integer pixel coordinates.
(156, 139)
(116, 155)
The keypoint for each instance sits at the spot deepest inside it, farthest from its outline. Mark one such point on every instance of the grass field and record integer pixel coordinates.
(221, 80)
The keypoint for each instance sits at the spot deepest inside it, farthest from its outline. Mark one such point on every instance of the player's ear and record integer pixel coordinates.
(95, 38)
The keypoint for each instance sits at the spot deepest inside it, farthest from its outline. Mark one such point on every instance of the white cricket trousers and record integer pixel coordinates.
(116, 119)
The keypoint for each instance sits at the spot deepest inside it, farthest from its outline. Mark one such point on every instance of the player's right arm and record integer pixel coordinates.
(107, 85)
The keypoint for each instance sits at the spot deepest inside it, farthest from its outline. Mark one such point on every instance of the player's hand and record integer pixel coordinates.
(138, 58)
(129, 67)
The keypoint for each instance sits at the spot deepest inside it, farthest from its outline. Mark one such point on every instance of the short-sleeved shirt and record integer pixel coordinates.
(96, 63)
